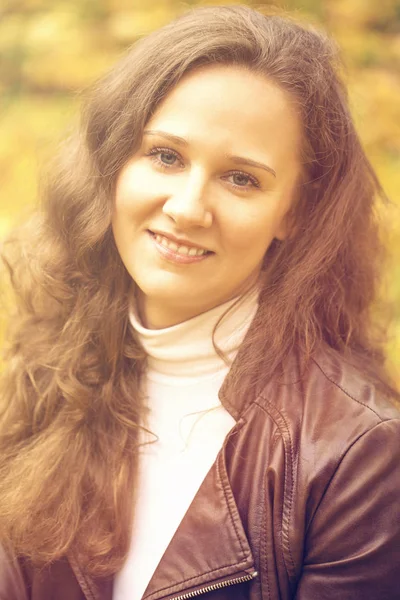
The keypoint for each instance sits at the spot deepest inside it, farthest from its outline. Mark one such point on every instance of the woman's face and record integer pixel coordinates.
(217, 170)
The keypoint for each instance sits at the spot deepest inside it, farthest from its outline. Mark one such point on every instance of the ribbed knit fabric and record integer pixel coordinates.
(189, 425)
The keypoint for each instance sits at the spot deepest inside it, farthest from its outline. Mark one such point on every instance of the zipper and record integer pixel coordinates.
(216, 586)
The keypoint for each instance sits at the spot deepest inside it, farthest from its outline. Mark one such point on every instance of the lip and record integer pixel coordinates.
(179, 241)
(174, 257)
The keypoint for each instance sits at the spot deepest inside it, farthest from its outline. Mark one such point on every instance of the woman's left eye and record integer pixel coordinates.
(243, 180)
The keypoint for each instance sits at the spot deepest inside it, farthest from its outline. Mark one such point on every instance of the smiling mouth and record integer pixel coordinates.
(178, 248)
(176, 253)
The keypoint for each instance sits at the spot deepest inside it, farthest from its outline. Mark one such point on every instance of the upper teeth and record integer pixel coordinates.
(185, 250)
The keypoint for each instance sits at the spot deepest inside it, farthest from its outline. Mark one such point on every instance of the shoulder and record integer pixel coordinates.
(349, 387)
(336, 444)
(328, 414)
(330, 398)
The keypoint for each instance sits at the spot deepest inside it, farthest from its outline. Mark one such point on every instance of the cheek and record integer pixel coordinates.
(133, 192)
(249, 234)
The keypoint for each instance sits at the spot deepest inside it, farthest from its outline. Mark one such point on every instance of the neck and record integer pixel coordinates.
(187, 349)
(160, 315)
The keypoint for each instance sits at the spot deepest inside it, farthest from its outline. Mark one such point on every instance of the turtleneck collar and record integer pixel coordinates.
(186, 349)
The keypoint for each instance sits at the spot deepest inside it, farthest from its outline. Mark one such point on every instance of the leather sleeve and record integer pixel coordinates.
(352, 548)
(12, 586)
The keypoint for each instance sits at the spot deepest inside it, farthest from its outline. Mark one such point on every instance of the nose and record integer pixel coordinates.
(186, 205)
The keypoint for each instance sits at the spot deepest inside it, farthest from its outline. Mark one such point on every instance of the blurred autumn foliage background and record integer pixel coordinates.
(51, 50)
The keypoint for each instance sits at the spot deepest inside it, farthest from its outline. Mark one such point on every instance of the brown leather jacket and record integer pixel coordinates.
(303, 502)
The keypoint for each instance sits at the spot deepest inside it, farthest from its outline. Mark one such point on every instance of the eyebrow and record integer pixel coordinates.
(236, 159)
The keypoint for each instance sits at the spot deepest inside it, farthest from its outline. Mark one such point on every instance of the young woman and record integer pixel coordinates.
(195, 401)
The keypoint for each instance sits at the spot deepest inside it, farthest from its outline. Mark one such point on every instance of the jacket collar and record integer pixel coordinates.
(209, 548)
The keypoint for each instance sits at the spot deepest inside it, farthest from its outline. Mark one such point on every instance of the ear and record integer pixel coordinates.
(286, 227)
(282, 231)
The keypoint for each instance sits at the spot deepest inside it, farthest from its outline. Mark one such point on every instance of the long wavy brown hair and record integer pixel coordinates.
(71, 404)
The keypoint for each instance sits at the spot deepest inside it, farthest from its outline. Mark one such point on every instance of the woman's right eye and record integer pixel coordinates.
(163, 157)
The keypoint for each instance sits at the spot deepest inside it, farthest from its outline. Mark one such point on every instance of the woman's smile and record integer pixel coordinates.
(178, 254)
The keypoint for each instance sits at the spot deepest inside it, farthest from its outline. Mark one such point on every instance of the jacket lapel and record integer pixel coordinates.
(210, 547)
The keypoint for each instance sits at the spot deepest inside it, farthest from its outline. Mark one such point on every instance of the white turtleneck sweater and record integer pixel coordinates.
(183, 378)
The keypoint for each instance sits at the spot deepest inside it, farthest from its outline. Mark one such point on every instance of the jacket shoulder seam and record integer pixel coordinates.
(348, 394)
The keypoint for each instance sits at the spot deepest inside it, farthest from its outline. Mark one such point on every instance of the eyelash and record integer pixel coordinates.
(153, 152)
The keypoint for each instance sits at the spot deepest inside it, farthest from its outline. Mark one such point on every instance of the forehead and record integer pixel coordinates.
(233, 107)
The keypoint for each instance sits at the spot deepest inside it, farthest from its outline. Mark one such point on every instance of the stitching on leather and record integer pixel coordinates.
(229, 506)
(262, 544)
(83, 581)
(345, 391)
(285, 473)
(294, 477)
(291, 492)
(184, 581)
